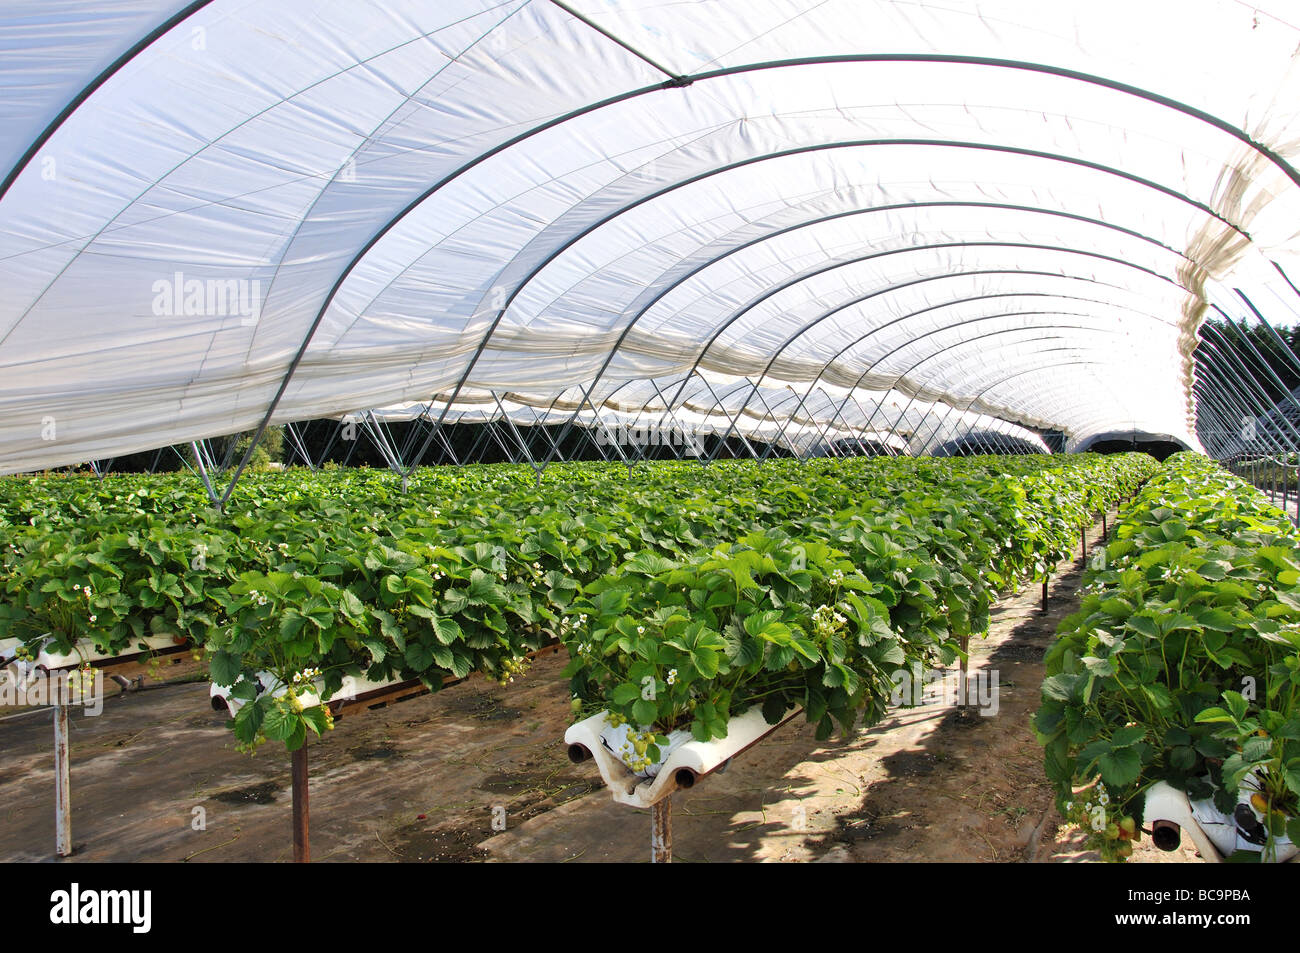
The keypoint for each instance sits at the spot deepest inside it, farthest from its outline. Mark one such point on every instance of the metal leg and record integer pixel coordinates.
(301, 844)
(964, 668)
(661, 832)
(62, 784)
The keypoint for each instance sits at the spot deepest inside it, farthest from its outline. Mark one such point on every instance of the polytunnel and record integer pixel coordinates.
(789, 222)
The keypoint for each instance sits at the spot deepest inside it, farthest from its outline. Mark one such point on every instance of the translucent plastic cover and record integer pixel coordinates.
(856, 216)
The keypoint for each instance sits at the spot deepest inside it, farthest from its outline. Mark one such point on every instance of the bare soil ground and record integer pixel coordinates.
(156, 777)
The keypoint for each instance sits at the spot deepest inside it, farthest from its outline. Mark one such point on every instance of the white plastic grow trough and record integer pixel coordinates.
(84, 651)
(685, 764)
(355, 689)
(1214, 835)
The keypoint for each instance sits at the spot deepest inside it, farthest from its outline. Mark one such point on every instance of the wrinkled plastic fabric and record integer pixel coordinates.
(999, 210)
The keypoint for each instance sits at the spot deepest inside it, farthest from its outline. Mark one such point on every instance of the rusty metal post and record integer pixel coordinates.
(1104, 530)
(661, 832)
(1045, 582)
(1083, 541)
(301, 844)
(964, 668)
(62, 782)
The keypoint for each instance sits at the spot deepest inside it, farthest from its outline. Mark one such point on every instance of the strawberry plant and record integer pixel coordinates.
(1183, 661)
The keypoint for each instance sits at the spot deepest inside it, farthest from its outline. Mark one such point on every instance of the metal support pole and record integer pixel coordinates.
(733, 422)
(964, 668)
(495, 430)
(446, 445)
(474, 456)
(1046, 580)
(62, 781)
(413, 434)
(695, 443)
(523, 444)
(863, 430)
(780, 434)
(301, 844)
(661, 831)
(821, 436)
(768, 414)
(926, 448)
(1235, 358)
(299, 447)
(203, 473)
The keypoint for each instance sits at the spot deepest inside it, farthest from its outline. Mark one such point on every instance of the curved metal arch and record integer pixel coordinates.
(852, 303)
(956, 344)
(721, 328)
(1093, 79)
(1220, 398)
(790, 340)
(90, 88)
(973, 340)
(858, 383)
(1233, 400)
(677, 82)
(1226, 400)
(741, 163)
(952, 405)
(930, 437)
(678, 282)
(674, 285)
(897, 207)
(991, 62)
(826, 147)
(1029, 370)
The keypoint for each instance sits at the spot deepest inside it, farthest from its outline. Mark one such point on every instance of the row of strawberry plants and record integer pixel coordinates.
(1182, 663)
(825, 619)
(472, 568)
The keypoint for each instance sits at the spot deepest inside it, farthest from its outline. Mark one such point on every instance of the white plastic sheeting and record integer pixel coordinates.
(1006, 208)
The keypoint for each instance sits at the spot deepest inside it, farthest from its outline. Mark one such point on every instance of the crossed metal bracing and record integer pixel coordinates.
(1246, 411)
(631, 420)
